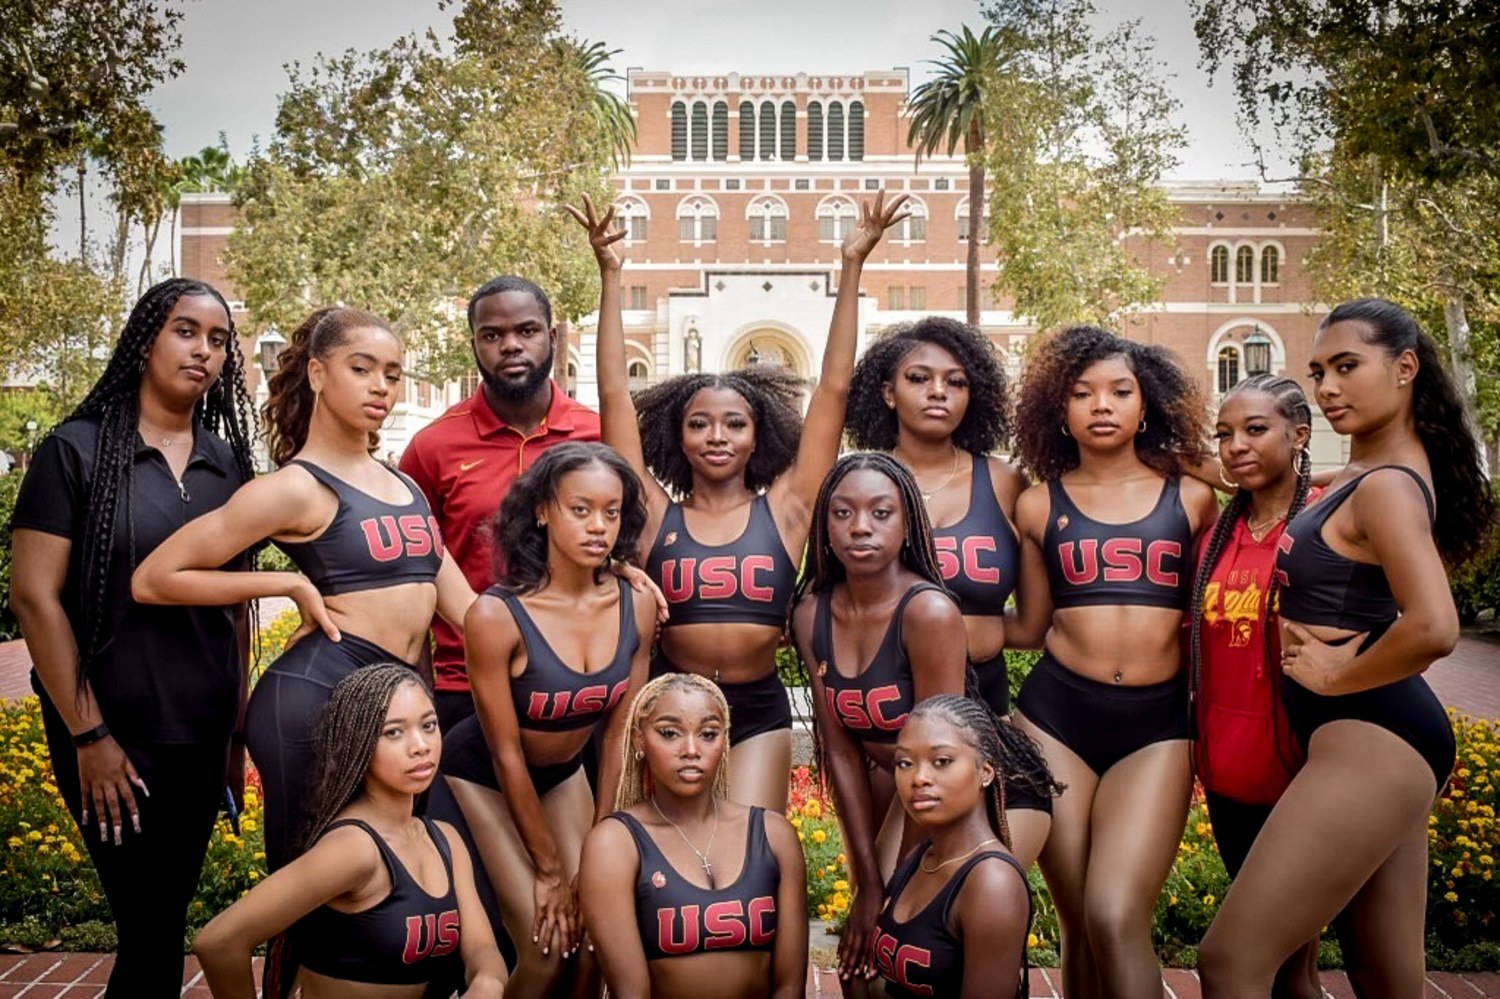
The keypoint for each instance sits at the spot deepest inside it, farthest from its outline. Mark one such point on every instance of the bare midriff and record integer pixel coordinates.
(1128, 645)
(728, 653)
(396, 618)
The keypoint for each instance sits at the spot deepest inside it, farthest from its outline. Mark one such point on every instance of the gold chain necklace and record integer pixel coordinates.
(928, 494)
(961, 856)
(1258, 531)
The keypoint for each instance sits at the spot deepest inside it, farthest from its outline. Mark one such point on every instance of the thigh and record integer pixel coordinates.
(1029, 828)
(569, 808)
(502, 853)
(760, 770)
(1064, 859)
(1345, 813)
(1140, 809)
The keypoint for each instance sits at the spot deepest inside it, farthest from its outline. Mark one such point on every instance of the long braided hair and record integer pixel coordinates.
(350, 728)
(1023, 760)
(634, 778)
(976, 723)
(225, 409)
(1291, 405)
(289, 409)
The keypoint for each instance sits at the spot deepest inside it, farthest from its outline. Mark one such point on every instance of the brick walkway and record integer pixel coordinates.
(43, 976)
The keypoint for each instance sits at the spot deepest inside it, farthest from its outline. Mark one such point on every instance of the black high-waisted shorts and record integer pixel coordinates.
(467, 756)
(1102, 722)
(755, 708)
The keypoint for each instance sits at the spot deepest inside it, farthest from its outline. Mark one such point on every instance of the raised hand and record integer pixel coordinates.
(874, 220)
(601, 236)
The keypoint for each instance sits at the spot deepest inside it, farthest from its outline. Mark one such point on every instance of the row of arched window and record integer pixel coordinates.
(767, 214)
(1245, 258)
(768, 130)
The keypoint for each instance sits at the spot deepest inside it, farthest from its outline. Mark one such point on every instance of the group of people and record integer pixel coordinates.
(552, 774)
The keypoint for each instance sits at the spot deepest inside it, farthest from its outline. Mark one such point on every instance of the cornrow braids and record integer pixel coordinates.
(114, 400)
(1291, 405)
(350, 728)
(773, 394)
(289, 408)
(986, 426)
(977, 725)
(633, 771)
(918, 553)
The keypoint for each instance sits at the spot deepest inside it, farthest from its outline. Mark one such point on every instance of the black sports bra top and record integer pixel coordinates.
(369, 543)
(874, 703)
(980, 555)
(676, 917)
(550, 695)
(1318, 585)
(407, 938)
(750, 580)
(1141, 564)
(921, 956)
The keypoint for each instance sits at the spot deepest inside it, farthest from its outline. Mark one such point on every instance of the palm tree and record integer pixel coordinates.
(949, 108)
(610, 110)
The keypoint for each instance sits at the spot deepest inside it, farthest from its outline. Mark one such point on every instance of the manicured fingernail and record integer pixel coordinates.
(135, 823)
(103, 832)
(117, 834)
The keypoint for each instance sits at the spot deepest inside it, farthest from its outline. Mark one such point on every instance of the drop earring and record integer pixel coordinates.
(1065, 431)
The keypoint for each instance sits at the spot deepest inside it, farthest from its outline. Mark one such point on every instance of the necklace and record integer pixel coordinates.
(703, 861)
(1257, 531)
(961, 856)
(149, 432)
(928, 494)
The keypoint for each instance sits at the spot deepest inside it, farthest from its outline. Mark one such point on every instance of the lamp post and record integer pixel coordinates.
(1257, 352)
(30, 443)
(272, 344)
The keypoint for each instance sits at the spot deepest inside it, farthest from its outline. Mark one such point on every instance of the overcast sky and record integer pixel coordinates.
(235, 51)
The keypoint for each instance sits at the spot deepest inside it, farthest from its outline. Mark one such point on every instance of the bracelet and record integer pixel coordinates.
(92, 736)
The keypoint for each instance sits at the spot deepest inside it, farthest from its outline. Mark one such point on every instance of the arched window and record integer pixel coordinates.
(961, 217)
(699, 136)
(1244, 265)
(747, 130)
(632, 213)
(639, 373)
(835, 130)
(679, 131)
(914, 229)
(697, 220)
(788, 131)
(815, 131)
(1218, 265)
(767, 145)
(570, 380)
(1229, 368)
(767, 217)
(721, 131)
(836, 217)
(1270, 265)
(856, 131)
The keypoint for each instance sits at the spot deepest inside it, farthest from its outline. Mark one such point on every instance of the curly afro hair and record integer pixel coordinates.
(986, 426)
(1175, 410)
(772, 393)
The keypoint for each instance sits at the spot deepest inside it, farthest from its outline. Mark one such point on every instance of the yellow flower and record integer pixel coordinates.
(1171, 899)
(1201, 828)
(34, 836)
(812, 809)
(800, 837)
(841, 860)
(14, 842)
(1451, 896)
(796, 822)
(1208, 900)
(1031, 940)
(841, 885)
(819, 836)
(247, 825)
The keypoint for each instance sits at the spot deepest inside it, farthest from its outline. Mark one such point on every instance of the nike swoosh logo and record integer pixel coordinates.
(465, 466)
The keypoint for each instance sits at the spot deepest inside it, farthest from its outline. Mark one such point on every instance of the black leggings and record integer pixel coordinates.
(149, 879)
(281, 728)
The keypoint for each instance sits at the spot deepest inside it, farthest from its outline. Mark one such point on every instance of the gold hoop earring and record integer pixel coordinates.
(1301, 463)
(1226, 479)
(640, 754)
(1142, 428)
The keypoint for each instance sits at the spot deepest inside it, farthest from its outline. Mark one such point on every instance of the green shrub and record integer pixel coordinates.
(9, 485)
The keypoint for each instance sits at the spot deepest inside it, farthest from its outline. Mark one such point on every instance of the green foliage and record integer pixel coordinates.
(1018, 665)
(401, 179)
(1080, 134)
(1476, 586)
(10, 485)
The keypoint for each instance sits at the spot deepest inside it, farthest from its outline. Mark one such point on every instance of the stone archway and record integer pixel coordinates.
(767, 343)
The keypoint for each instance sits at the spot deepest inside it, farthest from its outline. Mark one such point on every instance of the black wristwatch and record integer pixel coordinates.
(92, 736)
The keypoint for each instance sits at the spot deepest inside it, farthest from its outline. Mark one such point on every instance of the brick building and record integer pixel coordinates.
(741, 188)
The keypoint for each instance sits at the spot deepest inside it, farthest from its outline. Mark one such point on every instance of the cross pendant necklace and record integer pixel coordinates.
(703, 861)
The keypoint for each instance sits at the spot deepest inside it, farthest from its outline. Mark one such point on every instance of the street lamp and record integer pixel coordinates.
(30, 443)
(271, 346)
(1257, 352)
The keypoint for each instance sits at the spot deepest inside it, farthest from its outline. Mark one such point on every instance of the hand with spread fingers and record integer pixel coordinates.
(874, 219)
(602, 237)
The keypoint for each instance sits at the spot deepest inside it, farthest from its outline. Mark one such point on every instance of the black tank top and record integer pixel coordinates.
(550, 695)
(921, 956)
(1321, 587)
(751, 579)
(1141, 564)
(676, 917)
(369, 543)
(407, 938)
(979, 556)
(872, 704)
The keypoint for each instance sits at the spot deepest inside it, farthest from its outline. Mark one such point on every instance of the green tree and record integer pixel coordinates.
(1081, 133)
(947, 110)
(400, 179)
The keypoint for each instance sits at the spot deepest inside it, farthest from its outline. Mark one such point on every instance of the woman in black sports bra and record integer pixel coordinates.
(555, 651)
(933, 393)
(372, 561)
(874, 630)
(1365, 609)
(738, 471)
(378, 902)
(716, 892)
(957, 912)
(1107, 541)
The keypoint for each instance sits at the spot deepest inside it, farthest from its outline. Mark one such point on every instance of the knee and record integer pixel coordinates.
(1115, 923)
(544, 970)
(1221, 966)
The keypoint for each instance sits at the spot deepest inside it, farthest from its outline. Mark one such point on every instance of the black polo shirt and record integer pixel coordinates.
(164, 674)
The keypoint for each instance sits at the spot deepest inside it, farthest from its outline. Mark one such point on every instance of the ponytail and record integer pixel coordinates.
(289, 410)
